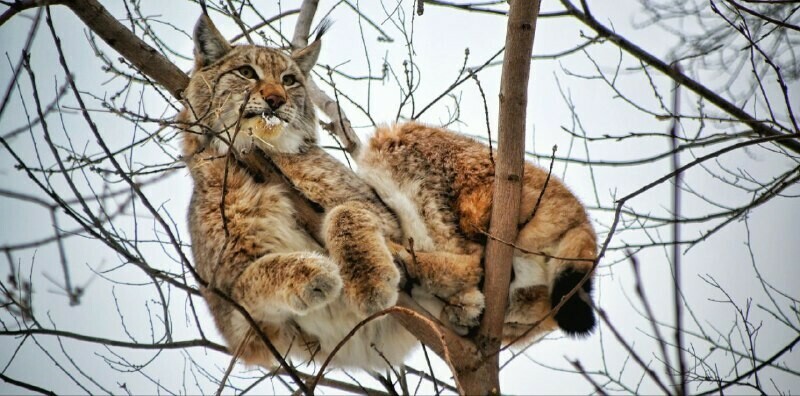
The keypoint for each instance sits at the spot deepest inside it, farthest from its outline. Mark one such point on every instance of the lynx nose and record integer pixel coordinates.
(275, 101)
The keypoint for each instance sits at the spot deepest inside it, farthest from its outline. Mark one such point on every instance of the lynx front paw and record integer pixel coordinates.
(464, 309)
(378, 293)
(320, 284)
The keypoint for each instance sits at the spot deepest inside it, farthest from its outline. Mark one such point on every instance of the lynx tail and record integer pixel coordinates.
(576, 317)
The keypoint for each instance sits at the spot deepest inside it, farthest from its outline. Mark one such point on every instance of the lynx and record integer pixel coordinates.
(307, 289)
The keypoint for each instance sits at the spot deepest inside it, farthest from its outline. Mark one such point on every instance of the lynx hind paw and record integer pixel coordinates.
(464, 309)
(396, 249)
(380, 293)
(400, 255)
(319, 289)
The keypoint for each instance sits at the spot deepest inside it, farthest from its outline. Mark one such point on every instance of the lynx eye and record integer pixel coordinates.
(289, 80)
(247, 72)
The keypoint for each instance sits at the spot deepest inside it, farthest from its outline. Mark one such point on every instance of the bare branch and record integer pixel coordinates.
(143, 56)
(791, 142)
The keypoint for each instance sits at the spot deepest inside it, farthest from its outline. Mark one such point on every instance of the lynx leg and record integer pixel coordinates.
(277, 285)
(356, 243)
(541, 282)
(451, 277)
(528, 299)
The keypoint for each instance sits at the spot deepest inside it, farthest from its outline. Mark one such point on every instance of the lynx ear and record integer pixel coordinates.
(307, 57)
(209, 44)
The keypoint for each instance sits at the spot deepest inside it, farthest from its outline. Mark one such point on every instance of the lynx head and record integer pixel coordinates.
(245, 95)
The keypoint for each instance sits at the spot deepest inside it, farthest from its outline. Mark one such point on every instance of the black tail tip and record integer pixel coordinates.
(576, 317)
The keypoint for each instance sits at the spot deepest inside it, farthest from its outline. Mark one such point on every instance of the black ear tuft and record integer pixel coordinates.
(576, 317)
(307, 57)
(204, 7)
(322, 28)
(209, 44)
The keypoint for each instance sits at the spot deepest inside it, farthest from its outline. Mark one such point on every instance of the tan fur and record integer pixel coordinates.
(456, 177)
(363, 236)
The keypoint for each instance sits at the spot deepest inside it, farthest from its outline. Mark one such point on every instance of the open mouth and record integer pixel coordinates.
(267, 115)
(256, 113)
(268, 118)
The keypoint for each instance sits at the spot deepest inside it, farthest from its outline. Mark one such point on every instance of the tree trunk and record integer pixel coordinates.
(507, 188)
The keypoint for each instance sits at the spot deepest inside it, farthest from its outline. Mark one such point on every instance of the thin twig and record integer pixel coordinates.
(676, 250)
